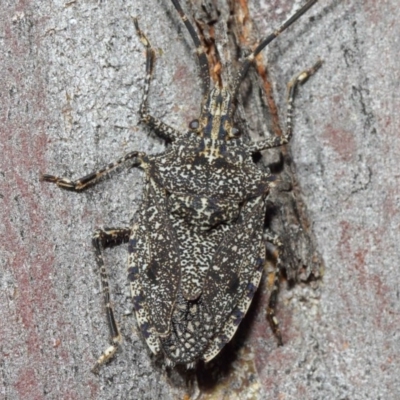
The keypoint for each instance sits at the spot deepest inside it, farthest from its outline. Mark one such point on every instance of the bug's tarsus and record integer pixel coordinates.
(299, 79)
(103, 238)
(302, 77)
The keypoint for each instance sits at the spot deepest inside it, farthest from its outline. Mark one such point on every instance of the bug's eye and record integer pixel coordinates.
(235, 132)
(194, 124)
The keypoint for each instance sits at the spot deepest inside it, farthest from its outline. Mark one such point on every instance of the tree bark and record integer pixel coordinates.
(70, 87)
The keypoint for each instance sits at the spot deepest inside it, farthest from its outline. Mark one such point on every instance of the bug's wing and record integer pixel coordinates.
(137, 261)
(159, 272)
(235, 273)
(191, 331)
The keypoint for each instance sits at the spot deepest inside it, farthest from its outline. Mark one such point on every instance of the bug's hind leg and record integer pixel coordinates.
(277, 141)
(103, 238)
(87, 180)
(273, 298)
(160, 128)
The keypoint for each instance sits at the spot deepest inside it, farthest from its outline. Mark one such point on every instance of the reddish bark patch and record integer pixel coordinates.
(341, 141)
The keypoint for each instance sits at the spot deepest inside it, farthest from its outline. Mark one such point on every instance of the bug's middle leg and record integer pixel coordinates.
(103, 238)
(89, 179)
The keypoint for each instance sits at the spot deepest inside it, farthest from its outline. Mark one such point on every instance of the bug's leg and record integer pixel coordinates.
(87, 180)
(103, 238)
(163, 130)
(201, 55)
(273, 298)
(277, 141)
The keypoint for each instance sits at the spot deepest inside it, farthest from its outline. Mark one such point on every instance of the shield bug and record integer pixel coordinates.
(197, 243)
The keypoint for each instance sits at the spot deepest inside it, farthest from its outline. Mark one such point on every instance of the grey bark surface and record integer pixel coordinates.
(70, 87)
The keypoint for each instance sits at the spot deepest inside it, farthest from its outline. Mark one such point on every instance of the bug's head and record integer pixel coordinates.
(215, 121)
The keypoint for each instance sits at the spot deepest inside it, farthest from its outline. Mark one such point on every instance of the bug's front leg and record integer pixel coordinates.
(273, 298)
(160, 128)
(87, 180)
(277, 141)
(103, 238)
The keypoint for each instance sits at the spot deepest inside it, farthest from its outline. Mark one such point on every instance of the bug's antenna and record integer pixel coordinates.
(251, 57)
(201, 55)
